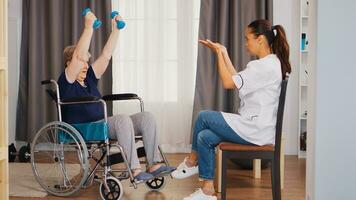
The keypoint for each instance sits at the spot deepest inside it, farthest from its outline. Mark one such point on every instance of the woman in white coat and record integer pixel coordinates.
(259, 88)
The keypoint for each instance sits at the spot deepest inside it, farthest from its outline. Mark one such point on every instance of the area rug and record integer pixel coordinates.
(22, 182)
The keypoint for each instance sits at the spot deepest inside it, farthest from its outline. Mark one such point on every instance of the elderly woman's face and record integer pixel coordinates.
(83, 72)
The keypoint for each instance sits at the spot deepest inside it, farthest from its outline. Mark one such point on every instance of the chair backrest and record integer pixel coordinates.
(280, 112)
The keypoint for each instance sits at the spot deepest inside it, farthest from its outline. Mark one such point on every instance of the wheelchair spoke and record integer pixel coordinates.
(60, 168)
(156, 182)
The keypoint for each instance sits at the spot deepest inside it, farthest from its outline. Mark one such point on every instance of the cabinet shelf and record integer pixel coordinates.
(303, 117)
(4, 175)
(302, 154)
(304, 67)
(3, 153)
(2, 63)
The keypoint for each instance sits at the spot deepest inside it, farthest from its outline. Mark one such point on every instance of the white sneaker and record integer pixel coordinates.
(183, 171)
(199, 195)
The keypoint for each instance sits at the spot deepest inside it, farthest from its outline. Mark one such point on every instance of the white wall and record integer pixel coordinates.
(286, 13)
(310, 169)
(14, 40)
(332, 172)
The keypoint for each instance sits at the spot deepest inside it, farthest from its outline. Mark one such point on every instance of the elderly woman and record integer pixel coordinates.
(80, 79)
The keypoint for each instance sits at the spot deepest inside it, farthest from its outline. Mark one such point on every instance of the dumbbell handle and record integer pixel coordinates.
(119, 24)
(27, 155)
(17, 153)
(97, 23)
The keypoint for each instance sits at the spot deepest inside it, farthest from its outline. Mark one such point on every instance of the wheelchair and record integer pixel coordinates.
(68, 157)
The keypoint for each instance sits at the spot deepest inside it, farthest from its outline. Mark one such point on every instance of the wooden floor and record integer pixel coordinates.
(241, 185)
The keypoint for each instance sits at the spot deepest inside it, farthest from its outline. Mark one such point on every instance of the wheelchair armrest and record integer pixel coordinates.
(118, 97)
(81, 99)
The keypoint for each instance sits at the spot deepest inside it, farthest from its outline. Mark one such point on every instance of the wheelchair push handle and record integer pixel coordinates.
(49, 81)
(46, 82)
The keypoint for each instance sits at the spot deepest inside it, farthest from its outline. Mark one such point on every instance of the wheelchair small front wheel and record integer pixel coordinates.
(115, 187)
(156, 184)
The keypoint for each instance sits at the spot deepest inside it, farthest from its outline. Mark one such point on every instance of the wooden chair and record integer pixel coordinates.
(272, 152)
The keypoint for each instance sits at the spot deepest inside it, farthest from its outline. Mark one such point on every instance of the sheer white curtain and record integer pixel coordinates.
(156, 59)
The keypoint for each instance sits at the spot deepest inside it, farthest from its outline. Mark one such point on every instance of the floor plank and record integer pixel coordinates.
(241, 185)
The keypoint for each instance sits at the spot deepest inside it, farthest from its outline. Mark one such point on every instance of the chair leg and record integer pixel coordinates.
(282, 163)
(223, 175)
(218, 171)
(276, 180)
(257, 168)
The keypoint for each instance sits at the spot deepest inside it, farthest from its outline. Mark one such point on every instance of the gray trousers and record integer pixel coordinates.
(124, 128)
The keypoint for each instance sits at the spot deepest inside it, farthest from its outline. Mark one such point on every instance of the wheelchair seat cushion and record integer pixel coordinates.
(93, 131)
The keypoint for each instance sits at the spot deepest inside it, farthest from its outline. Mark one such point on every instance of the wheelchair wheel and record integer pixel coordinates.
(115, 186)
(59, 159)
(156, 184)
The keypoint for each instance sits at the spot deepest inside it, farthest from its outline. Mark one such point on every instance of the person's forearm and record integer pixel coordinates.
(228, 63)
(82, 47)
(110, 45)
(102, 62)
(224, 73)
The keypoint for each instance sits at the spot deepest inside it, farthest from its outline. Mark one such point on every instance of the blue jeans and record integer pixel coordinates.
(210, 129)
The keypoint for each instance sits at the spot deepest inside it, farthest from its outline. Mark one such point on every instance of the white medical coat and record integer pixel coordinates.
(259, 88)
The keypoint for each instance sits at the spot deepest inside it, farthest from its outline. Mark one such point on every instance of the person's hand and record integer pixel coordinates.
(114, 22)
(223, 49)
(89, 20)
(214, 46)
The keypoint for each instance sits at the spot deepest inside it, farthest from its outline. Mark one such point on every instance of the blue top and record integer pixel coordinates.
(80, 113)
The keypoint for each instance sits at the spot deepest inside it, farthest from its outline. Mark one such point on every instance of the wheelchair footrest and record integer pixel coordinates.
(163, 174)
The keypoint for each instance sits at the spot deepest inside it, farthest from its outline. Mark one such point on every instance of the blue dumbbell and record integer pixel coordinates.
(97, 23)
(119, 24)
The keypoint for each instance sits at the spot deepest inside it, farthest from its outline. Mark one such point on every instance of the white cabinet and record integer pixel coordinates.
(304, 66)
(4, 180)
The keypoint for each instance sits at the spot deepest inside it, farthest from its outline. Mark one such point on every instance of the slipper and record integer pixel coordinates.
(143, 176)
(163, 170)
